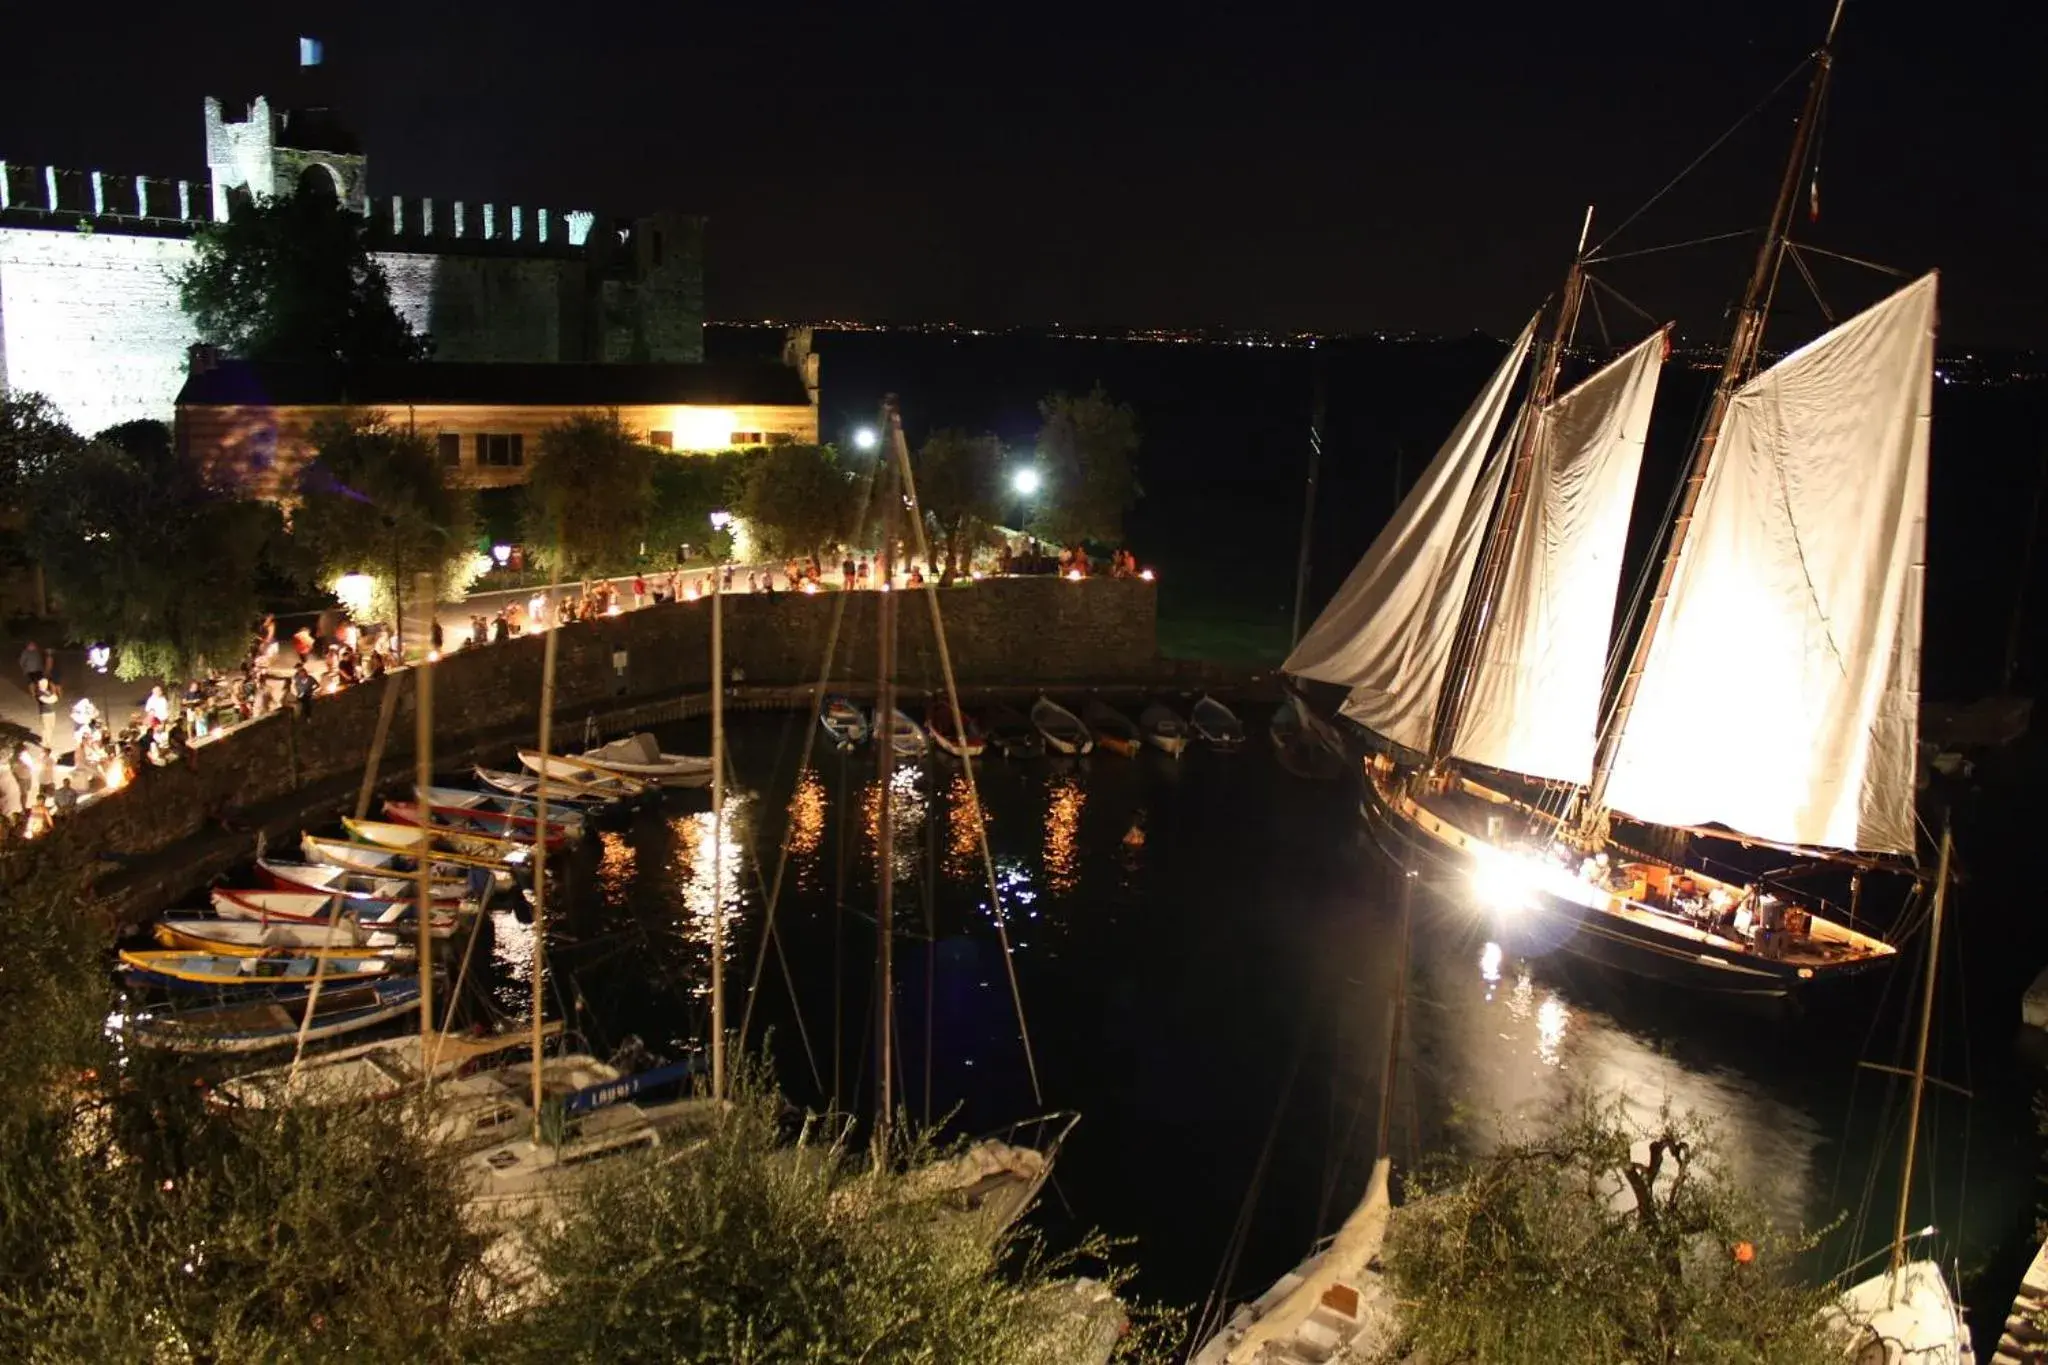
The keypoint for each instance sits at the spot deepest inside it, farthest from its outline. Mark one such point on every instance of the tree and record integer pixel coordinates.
(751, 1250)
(176, 588)
(1565, 1245)
(373, 503)
(960, 483)
(686, 490)
(587, 493)
(1086, 446)
(34, 441)
(798, 499)
(292, 278)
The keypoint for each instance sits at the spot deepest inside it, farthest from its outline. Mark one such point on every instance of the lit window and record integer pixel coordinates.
(662, 440)
(451, 449)
(781, 438)
(742, 439)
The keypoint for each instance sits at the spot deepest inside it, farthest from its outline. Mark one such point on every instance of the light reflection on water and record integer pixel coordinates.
(907, 810)
(617, 861)
(1065, 799)
(963, 832)
(1513, 1054)
(691, 862)
(809, 805)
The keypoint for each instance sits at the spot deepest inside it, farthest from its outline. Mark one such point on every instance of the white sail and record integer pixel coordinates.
(1387, 633)
(1780, 696)
(1535, 701)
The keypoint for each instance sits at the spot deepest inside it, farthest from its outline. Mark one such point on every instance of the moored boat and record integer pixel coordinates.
(258, 1025)
(1215, 724)
(272, 972)
(495, 823)
(1113, 730)
(639, 756)
(1063, 731)
(368, 1072)
(575, 773)
(1306, 744)
(1163, 728)
(1011, 733)
(252, 938)
(458, 847)
(518, 810)
(316, 908)
(906, 736)
(592, 798)
(960, 737)
(846, 723)
(284, 875)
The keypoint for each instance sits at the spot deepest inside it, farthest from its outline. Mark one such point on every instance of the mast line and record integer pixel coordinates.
(1308, 504)
(717, 835)
(1735, 371)
(1920, 1065)
(540, 827)
(1483, 592)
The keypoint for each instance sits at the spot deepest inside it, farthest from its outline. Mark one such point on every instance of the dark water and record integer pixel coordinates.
(1231, 979)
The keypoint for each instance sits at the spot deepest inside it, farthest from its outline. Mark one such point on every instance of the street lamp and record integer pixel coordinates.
(865, 438)
(1025, 482)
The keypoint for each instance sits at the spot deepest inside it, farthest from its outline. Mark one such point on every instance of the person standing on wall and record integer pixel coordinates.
(45, 693)
(32, 662)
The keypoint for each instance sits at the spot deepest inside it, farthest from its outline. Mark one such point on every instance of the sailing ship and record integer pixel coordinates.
(1769, 694)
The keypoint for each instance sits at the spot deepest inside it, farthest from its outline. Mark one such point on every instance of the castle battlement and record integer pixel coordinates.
(103, 196)
(90, 314)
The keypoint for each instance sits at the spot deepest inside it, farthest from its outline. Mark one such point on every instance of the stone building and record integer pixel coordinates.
(250, 423)
(89, 312)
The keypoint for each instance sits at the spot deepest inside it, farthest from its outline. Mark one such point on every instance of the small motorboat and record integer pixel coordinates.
(455, 846)
(1064, 733)
(1305, 743)
(639, 757)
(575, 795)
(494, 823)
(576, 773)
(252, 938)
(1012, 733)
(1216, 724)
(387, 861)
(371, 1072)
(341, 881)
(1163, 728)
(311, 907)
(846, 723)
(273, 972)
(257, 1025)
(517, 812)
(1113, 729)
(947, 731)
(906, 736)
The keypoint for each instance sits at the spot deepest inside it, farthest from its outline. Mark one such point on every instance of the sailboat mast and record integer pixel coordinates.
(1308, 504)
(1484, 590)
(885, 761)
(540, 834)
(1920, 1064)
(717, 836)
(423, 778)
(1736, 369)
(1391, 1071)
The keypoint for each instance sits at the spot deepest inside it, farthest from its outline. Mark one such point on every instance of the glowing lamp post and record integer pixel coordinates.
(1025, 483)
(865, 438)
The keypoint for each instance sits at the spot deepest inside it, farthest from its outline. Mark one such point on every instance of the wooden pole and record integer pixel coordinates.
(540, 840)
(1919, 1066)
(1392, 1069)
(717, 837)
(392, 684)
(423, 758)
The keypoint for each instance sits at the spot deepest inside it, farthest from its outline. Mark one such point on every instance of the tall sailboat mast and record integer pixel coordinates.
(1308, 503)
(1898, 1258)
(884, 731)
(1737, 368)
(1484, 589)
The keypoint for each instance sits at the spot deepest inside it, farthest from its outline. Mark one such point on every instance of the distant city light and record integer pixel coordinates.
(1025, 481)
(866, 439)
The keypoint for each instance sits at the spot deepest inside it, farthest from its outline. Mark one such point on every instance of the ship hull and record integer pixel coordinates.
(1636, 945)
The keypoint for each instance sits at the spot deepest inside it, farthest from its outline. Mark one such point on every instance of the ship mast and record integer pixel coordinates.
(1482, 594)
(1736, 369)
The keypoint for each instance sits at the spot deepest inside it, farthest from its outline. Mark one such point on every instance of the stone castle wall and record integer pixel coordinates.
(89, 313)
(1008, 631)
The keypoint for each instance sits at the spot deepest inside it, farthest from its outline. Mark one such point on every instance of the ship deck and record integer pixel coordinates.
(1465, 813)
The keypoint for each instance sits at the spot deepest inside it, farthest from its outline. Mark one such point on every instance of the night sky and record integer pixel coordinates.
(1399, 166)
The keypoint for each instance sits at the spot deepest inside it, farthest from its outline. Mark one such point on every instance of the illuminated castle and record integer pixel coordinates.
(89, 312)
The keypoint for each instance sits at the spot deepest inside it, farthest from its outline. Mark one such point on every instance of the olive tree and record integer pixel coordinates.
(587, 494)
